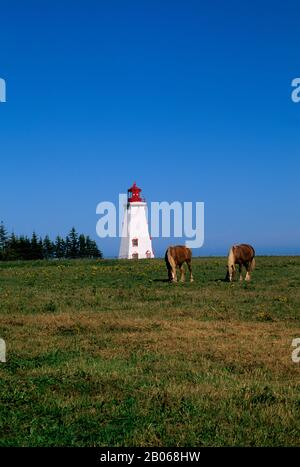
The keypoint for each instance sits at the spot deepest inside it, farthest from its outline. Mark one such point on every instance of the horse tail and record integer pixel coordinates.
(171, 264)
(253, 264)
(230, 264)
(171, 259)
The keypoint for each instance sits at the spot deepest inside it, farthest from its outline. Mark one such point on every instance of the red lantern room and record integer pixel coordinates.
(134, 194)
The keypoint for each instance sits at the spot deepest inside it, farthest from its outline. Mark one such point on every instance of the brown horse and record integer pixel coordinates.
(177, 256)
(243, 255)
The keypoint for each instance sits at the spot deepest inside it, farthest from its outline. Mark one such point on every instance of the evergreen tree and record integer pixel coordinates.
(41, 246)
(60, 247)
(92, 249)
(24, 248)
(48, 248)
(88, 247)
(3, 241)
(36, 247)
(11, 248)
(67, 247)
(74, 244)
(96, 253)
(3, 237)
(82, 247)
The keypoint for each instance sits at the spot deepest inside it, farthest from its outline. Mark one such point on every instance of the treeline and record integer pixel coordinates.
(72, 246)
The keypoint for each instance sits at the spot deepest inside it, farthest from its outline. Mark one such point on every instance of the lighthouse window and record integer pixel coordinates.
(135, 256)
(135, 242)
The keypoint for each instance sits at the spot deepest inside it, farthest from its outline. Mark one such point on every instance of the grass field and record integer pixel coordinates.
(109, 354)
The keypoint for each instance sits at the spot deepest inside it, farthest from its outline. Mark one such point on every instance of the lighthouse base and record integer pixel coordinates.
(136, 242)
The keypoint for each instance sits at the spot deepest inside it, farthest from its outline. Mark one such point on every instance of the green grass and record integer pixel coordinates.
(109, 354)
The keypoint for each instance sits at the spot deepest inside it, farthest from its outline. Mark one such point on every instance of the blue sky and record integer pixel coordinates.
(190, 99)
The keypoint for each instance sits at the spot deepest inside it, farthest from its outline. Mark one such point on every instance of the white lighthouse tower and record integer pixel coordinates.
(136, 242)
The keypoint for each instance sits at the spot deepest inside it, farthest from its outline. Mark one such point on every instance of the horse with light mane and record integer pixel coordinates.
(175, 257)
(243, 255)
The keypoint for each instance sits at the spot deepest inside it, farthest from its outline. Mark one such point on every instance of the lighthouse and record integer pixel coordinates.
(136, 242)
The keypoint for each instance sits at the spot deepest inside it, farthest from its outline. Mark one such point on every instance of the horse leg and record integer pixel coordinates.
(227, 278)
(241, 272)
(170, 274)
(232, 273)
(182, 274)
(174, 274)
(251, 267)
(248, 274)
(190, 271)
